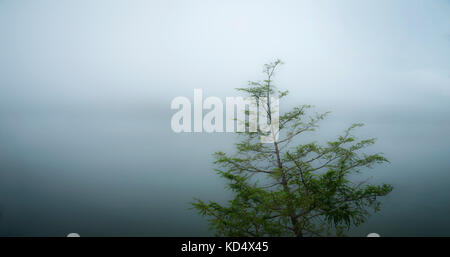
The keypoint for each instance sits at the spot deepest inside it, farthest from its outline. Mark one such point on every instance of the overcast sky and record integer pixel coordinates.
(86, 52)
(86, 87)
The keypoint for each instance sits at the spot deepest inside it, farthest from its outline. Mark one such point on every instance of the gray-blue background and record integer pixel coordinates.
(85, 90)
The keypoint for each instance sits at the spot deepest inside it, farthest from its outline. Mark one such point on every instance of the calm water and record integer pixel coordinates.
(111, 173)
(86, 86)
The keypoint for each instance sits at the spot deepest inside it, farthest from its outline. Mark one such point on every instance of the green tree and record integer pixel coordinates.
(290, 189)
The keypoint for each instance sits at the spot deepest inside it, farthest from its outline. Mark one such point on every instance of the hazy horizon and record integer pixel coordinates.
(85, 91)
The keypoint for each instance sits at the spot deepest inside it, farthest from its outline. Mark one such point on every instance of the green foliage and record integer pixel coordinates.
(283, 189)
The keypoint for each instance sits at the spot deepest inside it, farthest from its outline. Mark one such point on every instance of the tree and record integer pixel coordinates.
(286, 190)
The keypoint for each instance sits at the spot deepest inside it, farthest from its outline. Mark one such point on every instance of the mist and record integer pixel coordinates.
(85, 90)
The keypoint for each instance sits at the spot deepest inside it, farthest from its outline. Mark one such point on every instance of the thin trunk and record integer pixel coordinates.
(284, 182)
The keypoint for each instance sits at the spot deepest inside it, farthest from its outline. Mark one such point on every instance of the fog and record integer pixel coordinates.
(85, 89)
